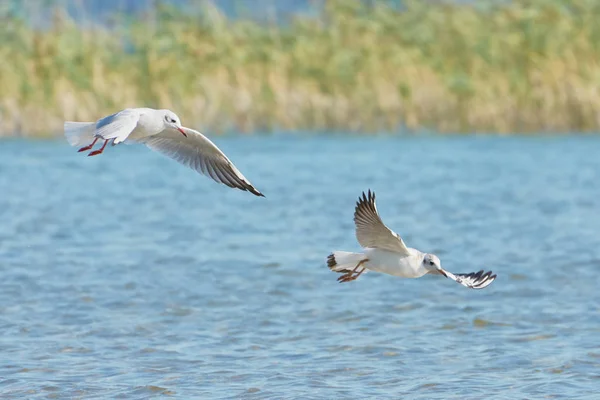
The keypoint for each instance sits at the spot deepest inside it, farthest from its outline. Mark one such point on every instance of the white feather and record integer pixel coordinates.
(79, 133)
(118, 126)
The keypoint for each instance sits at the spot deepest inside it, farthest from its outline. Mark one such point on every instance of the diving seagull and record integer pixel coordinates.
(161, 131)
(385, 251)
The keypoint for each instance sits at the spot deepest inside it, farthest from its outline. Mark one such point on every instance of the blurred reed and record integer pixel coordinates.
(519, 66)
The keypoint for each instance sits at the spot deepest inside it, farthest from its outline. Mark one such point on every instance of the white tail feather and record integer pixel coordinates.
(80, 133)
(344, 261)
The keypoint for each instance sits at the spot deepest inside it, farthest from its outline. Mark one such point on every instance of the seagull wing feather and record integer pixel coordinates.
(196, 151)
(473, 280)
(117, 126)
(371, 231)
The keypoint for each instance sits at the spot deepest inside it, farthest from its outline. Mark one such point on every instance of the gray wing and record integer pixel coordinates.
(117, 126)
(371, 231)
(474, 280)
(199, 153)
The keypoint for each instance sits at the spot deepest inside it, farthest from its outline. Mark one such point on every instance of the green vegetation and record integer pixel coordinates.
(518, 66)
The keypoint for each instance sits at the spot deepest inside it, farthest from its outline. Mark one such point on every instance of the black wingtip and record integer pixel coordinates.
(369, 197)
(254, 191)
(479, 279)
(483, 280)
(365, 202)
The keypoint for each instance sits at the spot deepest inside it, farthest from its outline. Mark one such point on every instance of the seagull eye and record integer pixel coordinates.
(431, 263)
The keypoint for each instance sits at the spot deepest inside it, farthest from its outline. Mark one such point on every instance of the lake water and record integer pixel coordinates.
(129, 276)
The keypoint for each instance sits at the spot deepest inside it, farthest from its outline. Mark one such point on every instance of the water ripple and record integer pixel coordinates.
(128, 276)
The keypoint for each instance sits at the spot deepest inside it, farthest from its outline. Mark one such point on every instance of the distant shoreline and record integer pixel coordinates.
(525, 66)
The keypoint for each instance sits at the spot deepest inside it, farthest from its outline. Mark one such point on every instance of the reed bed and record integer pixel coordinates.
(518, 66)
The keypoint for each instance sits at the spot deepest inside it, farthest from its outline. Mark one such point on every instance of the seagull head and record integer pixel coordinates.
(171, 120)
(432, 263)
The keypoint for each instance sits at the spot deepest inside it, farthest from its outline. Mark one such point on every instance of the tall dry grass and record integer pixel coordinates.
(521, 66)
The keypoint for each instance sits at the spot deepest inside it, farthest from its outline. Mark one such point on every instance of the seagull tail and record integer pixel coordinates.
(344, 261)
(79, 133)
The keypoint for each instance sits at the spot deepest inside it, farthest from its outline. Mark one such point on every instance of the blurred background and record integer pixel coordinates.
(298, 65)
(130, 276)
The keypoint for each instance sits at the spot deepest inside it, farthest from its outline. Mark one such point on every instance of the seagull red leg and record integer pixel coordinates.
(95, 153)
(357, 275)
(347, 277)
(88, 147)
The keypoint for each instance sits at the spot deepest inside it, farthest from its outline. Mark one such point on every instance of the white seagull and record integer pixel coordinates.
(385, 251)
(161, 131)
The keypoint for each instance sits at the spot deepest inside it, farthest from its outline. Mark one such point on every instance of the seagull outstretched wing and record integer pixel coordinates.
(371, 231)
(474, 280)
(199, 153)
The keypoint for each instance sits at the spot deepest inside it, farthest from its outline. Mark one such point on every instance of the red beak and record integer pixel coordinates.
(182, 131)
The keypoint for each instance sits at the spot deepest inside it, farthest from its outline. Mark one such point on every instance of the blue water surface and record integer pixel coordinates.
(128, 276)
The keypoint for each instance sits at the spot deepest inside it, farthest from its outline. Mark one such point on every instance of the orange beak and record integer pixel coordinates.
(182, 131)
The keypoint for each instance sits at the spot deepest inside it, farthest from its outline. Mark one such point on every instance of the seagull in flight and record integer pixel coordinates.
(161, 131)
(385, 251)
